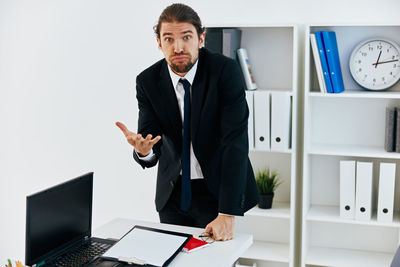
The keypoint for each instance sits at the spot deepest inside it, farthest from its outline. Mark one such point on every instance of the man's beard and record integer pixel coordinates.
(182, 68)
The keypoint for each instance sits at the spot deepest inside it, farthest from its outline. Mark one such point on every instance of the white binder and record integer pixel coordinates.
(364, 191)
(387, 175)
(317, 61)
(280, 120)
(347, 189)
(250, 104)
(261, 120)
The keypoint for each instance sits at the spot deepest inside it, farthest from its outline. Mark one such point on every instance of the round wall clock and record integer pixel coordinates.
(374, 64)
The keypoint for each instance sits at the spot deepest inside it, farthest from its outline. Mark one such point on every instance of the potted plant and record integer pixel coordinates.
(267, 182)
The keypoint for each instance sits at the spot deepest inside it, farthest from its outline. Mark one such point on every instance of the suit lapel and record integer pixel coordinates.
(198, 93)
(170, 103)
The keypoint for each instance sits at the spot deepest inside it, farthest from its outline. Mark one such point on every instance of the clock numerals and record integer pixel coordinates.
(374, 64)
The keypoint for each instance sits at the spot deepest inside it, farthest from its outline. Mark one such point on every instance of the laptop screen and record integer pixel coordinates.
(57, 217)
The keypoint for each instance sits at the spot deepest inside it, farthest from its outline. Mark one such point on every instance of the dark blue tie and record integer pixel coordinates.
(186, 190)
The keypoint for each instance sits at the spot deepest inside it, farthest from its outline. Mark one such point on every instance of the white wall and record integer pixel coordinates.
(67, 73)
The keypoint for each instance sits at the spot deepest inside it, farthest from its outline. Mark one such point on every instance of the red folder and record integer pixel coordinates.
(194, 244)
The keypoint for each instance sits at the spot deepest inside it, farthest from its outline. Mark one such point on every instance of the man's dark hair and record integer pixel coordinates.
(179, 13)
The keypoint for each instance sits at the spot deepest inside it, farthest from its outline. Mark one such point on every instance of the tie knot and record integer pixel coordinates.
(185, 84)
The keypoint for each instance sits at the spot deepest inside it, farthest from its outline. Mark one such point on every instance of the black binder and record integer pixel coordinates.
(225, 41)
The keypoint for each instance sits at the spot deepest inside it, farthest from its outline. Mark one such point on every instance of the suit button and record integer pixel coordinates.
(171, 183)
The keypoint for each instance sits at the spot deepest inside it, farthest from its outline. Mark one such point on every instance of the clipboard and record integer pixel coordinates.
(147, 246)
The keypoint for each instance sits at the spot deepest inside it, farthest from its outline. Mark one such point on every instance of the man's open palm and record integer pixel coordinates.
(142, 145)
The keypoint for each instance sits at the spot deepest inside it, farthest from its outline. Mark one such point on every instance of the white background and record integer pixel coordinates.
(67, 73)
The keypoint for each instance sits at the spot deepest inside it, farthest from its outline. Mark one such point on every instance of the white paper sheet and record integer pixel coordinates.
(146, 246)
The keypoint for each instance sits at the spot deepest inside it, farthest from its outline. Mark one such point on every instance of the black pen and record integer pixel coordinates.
(208, 235)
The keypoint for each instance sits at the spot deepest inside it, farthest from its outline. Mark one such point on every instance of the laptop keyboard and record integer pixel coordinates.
(81, 255)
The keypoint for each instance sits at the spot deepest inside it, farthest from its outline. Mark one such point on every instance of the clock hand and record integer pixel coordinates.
(384, 62)
(376, 64)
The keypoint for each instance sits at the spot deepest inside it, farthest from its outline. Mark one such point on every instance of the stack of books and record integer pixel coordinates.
(327, 63)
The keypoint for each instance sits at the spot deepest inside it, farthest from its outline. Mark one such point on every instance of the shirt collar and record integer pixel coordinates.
(189, 76)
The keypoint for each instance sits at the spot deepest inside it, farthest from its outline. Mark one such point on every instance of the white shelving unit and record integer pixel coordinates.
(273, 51)
(349, 125)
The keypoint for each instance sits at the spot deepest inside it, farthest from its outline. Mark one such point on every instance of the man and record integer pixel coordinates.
(193, 122)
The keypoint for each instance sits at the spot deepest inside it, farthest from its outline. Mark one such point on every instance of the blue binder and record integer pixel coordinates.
(332, 56)
(324, 63)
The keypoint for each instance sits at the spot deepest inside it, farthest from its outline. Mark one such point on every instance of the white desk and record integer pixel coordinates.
(217, 254)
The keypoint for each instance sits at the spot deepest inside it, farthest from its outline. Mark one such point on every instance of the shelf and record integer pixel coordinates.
(344, 126)
(273, 51)
(250, 25)
(288, 151)
(347, 257)
(358, 94)
(331, 214)
(289, 91)
(352, 151)
(278, 210)
(268, 251)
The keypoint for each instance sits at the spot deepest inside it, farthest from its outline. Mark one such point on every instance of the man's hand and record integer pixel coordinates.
(142, 145)
(222, 227)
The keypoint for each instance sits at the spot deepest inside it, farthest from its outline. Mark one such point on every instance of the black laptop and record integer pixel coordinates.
(59, 225)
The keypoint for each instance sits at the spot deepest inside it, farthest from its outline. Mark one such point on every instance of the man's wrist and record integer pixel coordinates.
(224, 214)
(145, 158)
(142, 155)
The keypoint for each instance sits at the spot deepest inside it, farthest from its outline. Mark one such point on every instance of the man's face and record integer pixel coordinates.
(180, 45)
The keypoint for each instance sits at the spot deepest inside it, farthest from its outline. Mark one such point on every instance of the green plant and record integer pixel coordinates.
(267, 181)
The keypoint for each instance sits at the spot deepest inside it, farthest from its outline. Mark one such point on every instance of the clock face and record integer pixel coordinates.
(374, 64)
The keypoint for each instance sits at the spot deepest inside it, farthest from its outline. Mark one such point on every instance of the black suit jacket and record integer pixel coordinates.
(219, 119)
